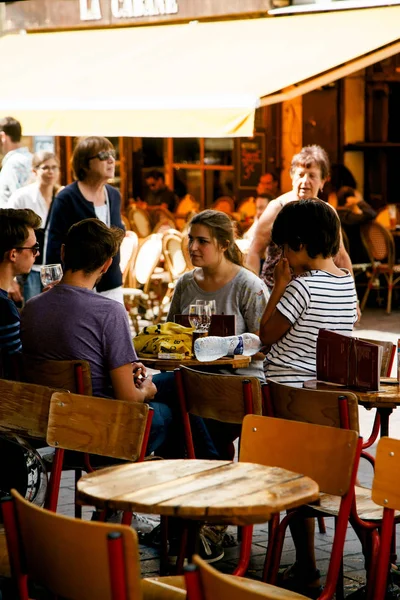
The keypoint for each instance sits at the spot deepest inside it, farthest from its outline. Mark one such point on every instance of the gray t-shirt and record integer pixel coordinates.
(245, 296)
(69, 322)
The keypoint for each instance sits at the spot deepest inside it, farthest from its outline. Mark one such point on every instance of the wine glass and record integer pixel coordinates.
(50, 274)
(210, 303)
(200, 317)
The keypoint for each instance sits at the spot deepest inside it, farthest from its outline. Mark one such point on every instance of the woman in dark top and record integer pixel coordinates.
(353, 211)
(93, 163)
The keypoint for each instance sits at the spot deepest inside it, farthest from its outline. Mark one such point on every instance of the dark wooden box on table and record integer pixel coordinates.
(221, 325)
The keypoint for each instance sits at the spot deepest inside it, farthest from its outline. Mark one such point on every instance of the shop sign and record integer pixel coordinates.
(90, 10)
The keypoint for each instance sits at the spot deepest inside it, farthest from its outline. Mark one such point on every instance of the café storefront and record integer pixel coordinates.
(174, 86)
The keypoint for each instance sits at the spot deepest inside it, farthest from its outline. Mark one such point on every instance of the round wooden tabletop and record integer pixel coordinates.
(387, 397)
(221, 491)
(169, 364)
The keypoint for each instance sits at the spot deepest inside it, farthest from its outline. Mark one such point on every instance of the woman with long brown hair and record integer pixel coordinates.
(219, 275)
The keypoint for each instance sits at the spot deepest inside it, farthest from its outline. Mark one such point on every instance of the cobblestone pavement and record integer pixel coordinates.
(374, 324)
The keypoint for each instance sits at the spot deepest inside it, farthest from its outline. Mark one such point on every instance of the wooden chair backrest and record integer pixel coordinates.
(385, 486)
(128, 251)
(69, 556)
(97, 425)
(213, 585)
(379, 243)
(61, 374)
(219, 397)
(147, 259)
(140, 221)
(325, 454)
(388, 353)
(173, 254)
(24, 408)
(319, 407)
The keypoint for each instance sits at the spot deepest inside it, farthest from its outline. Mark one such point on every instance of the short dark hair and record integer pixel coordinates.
(313, 223)
(85, 149)
(311, 156)
(155, 174)
(12, 128)
(89, 243)
(14, 225)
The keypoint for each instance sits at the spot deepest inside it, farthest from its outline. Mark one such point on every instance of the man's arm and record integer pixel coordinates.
(262, 236)
(125, 389)
(8, 182)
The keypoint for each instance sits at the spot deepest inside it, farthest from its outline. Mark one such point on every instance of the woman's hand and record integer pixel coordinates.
(282, 274)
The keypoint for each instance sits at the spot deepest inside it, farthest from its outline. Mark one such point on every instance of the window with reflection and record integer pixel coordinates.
(218, 151)
(188, 181)
(187, 151)
(217, 184)
(153, 152)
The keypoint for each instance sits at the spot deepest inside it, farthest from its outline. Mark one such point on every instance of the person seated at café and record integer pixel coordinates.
(353, 211)
(268, 184)
(322, 295)
(159, 194)
(18, 249)
(71, 321)
(309, 171)
(219, 275)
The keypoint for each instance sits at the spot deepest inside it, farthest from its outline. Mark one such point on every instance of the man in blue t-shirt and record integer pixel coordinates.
(71, 321)
(18, 249)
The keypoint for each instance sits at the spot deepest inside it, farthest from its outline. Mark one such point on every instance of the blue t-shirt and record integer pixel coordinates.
(9, 325)
(69, 322)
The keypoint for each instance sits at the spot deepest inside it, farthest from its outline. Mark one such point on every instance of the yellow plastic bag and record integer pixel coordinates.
(167, 337)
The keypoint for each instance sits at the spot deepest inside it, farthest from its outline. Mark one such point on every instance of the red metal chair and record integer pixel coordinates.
(224, 398)
(69, 557)
(385, 493)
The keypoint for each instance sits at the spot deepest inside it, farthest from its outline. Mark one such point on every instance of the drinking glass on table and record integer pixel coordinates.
(210, 303)
(50, 274)
(200, 317)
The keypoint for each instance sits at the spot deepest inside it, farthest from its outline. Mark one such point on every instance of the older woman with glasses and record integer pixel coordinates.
(39, 197)
(90, 196)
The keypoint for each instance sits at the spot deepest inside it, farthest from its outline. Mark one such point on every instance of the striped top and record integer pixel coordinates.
(10, 341)
(315, 300)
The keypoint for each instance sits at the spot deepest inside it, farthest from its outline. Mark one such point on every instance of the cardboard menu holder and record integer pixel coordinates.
(348, 361)
(221, 325)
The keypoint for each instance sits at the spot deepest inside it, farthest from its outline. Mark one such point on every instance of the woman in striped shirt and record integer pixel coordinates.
(321, 295)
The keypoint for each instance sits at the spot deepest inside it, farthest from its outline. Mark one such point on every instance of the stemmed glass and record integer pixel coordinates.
(200, 317)
(210, 303)
(50, 274)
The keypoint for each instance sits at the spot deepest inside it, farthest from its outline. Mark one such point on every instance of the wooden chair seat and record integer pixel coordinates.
(366, 507)
(175, 585)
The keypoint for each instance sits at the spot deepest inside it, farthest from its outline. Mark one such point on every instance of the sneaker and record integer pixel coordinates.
(209, 551)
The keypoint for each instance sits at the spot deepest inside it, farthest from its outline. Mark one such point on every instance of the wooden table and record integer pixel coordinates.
(384, 401)
(215, 491)
(169, 364)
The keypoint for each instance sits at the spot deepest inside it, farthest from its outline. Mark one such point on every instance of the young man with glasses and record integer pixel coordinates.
(159, 194)
(18, 249)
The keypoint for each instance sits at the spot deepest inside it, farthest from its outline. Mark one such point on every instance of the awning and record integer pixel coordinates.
(187, 80)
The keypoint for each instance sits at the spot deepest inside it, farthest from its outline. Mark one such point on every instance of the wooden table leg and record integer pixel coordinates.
(384, 414)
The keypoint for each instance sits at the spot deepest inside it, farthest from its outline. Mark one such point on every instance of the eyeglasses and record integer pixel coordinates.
(49, 167)
(35, 248)
(104, 155)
